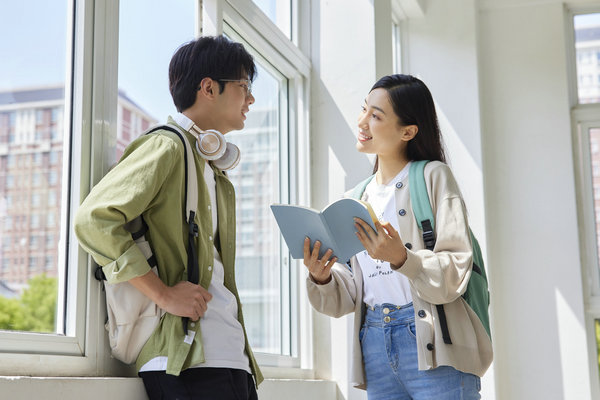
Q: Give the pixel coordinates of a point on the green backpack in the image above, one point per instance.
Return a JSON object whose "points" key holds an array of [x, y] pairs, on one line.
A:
{"points": [[477, 295]]}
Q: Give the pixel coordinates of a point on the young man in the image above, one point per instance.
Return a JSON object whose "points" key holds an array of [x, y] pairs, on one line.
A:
{"points": [[210, 82]]}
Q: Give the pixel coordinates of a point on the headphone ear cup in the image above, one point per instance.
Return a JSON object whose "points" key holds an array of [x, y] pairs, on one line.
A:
{"points": [[230, 159], [211, 144]]}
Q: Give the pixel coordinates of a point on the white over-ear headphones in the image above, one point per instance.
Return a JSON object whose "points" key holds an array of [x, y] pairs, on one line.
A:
{"points": [[211, 144]]}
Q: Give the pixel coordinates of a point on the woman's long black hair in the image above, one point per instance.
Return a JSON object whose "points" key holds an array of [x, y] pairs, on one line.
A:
{"points": [[413, 104]]}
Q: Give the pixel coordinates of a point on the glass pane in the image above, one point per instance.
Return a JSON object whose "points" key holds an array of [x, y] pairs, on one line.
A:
{"points": [[257, 183], [597, 326], [397, 48], [594, 135], [32, 103], [144, 56], [587, 45], [278, 11]]}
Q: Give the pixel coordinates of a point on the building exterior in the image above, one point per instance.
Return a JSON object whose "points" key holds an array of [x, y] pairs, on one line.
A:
{"points": [[587, 39], [31, 171]]}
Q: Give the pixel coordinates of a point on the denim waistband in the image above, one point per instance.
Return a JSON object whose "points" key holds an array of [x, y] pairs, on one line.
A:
{"points": [[387, 314]]}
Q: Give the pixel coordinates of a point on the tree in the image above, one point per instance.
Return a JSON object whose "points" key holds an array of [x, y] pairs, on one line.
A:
{"points": [[11, 314], [35, 310], [39, 304]]}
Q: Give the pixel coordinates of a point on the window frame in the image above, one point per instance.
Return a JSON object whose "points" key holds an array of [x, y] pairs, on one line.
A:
{"points": [[583, 118], [245, 22], [82, 349]]}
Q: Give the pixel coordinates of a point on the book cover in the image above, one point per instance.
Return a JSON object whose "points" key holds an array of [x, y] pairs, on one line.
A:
{"points": [[333, 227]]}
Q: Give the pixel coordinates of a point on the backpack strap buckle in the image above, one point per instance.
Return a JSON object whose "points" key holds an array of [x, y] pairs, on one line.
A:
{"points": [[428, 235]]}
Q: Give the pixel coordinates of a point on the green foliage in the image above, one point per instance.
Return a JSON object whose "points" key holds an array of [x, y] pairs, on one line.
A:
{"points": [[11, 314], [35, 310], [598, 339]]}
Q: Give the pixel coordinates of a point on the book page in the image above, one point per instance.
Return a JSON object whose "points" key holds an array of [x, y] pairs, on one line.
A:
{"points": [[339, 217], [295, 223]]}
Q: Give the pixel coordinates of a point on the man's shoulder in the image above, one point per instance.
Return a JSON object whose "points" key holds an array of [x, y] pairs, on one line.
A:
{"points": [[161, 139]]}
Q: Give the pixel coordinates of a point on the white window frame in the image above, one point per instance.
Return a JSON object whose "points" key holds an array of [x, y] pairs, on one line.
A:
{"points": [[90, 96], [399, 42], [90, 115], [583, 118], [243, 20]]}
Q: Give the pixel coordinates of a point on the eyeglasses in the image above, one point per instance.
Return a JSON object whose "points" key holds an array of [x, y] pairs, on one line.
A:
{"points": [[245, 83]]}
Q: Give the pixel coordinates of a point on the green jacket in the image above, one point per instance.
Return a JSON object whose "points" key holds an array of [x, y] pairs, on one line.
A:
{"points": [[149, 180]]}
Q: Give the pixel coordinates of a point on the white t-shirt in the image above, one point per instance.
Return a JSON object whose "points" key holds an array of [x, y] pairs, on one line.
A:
{"points": [[381, 283], [223, 338]]}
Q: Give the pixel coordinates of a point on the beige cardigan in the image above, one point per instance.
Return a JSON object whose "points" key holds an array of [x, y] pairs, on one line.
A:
{"points": [[438, 277]]}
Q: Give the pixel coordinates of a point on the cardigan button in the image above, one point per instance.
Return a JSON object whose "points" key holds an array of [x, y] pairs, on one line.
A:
{"points": [[408, 245], [421, 313], [429, 346], [399, 185], [402, 212]]}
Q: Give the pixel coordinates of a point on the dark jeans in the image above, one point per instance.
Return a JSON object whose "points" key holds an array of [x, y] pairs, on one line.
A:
{"points": [[200, 384]]}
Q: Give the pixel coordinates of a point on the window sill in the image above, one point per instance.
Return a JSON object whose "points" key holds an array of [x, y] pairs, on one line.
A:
{"points": [[26, 387]]}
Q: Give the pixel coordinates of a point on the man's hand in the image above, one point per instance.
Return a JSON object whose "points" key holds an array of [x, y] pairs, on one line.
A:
{"points": [[185, 299]]}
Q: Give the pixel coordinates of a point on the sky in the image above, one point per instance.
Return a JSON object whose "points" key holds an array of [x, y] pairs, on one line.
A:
{"points": [[149, 33]]}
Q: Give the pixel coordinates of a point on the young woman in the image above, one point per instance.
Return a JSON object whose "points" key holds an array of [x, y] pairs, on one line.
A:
{"points": [[394, 285]]}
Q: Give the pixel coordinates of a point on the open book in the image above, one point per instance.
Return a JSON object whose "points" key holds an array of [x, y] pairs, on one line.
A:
{"points": [[333, 227]]}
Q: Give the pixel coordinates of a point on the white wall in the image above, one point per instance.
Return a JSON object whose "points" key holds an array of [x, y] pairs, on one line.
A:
{"points": [[497, 70], [442, 50], [533, 250], [343, 56]]}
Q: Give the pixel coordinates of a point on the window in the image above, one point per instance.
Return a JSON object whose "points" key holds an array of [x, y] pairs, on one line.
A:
{"points": [[34, 220], [50, 220], [52, 178], [279, 12], [51, 198], [36, 179], [586, 122], [267, 280], [397, 46], [100, 105], [54, 158], [587, 47], [37, 159], [33, 95], [589, 186], [35, 200], [258, 262], [141, 104]]}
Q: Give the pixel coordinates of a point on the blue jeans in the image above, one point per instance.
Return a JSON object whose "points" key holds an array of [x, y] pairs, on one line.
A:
{"points": [[389, 346]]}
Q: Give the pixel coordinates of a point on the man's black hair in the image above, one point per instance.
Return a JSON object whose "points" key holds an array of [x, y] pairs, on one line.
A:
{"points": [[214, 57]]}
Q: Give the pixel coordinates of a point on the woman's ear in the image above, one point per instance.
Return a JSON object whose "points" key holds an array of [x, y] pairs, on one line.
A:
{"points": [[409, 132]]}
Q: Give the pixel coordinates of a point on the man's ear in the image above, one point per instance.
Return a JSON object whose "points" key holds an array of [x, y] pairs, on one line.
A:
{"points": [[409, 132], [208, 87]]}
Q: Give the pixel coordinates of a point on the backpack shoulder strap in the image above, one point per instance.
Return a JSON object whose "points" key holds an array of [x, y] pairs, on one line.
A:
{"points": [[418, 193], [425, 219], [419, 199], [191, 179], [359, 189], [191, 204]]}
